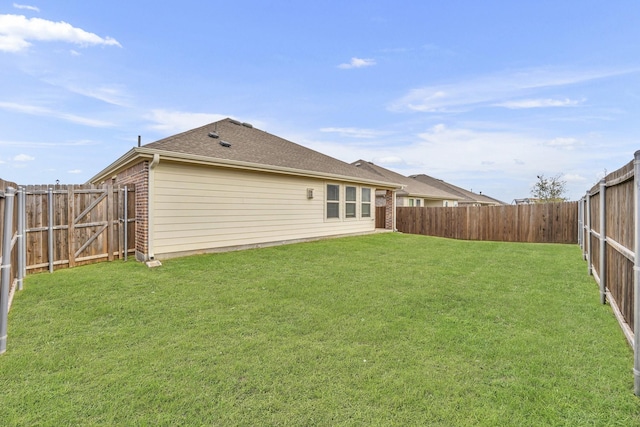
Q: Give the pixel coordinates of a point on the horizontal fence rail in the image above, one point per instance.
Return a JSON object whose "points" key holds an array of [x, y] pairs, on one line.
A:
{"points": [[73, 225], [536, 223]]}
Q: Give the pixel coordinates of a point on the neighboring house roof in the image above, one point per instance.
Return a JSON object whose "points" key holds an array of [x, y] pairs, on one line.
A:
{"points": [[230, 143], [411, 187], [465, 196]]}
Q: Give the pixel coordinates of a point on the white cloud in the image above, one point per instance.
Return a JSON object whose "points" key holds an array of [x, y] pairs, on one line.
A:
{"points": [[111, 94], [355, 132], [540, 103], [23, 158], [16, 30], [357, 63], [491, 90], [46, 112], [180, 121], [75, 171], [566, 143], [573, 178], [389, 161], [26, 7], [31, 144]]}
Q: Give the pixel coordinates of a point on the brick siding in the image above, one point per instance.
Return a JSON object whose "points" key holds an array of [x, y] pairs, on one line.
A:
{"points": [[138, 176]]}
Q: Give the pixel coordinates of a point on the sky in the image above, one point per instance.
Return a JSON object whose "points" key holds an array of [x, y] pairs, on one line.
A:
{"points": [[485, 95]]}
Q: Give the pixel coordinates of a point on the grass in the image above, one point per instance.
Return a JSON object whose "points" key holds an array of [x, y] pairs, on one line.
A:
{"points": [[386, 329]]}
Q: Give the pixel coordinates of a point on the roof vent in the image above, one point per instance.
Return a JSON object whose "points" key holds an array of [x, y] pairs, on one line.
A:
{"points": [[248, 125], [214, 135], [225, 143], [235, 122], [358, 164]]}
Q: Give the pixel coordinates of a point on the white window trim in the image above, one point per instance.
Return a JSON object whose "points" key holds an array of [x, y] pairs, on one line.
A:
{"points": [[342, 203], [327, 201], [355, 202], [362, 202]]}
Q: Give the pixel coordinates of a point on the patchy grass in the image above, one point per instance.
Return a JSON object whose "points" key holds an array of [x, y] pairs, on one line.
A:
{"points": [[386, 329]]}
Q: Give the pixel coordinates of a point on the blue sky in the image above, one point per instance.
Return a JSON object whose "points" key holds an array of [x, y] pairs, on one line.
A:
{"points": [[486, 95]]}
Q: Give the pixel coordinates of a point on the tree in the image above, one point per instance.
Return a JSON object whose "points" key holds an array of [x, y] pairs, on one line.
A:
{"points": [[548, 190]]}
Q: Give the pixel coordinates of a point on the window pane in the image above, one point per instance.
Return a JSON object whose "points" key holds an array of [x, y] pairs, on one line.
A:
{"points": [[350, 210], [350, 195], [366, 195], [418, 202], [333, 192], [333, 210], [366, 210]]}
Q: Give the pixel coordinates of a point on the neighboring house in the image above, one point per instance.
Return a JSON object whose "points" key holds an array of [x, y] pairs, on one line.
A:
{"points": [[465, 197], [228, 185], [413, 192]]}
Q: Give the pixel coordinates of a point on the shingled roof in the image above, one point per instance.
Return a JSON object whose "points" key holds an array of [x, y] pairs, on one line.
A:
{"points": [[234, 143], [464, 196], [411, 187]]}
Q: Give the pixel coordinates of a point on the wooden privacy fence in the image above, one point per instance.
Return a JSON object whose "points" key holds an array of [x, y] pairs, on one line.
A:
{"points": [[71, 225], [537, 223], [609, 217], [48, 227]]}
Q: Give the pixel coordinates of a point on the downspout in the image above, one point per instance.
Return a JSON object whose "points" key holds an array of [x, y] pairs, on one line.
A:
{"points": [[394, 228], [150, 213]]}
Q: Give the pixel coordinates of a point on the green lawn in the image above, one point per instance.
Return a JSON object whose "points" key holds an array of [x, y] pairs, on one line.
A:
{"points": [[386, 329]]}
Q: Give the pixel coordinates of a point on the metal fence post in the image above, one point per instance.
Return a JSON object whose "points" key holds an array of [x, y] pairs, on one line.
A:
{"points": [[50, 228], [126, 223], [21, 236], [603, 243], [589, 229], [580, 222], [5, 266], [636, 275]]}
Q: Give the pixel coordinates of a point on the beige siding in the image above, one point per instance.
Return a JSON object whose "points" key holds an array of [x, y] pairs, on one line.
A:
{"points": [[201, 208]]}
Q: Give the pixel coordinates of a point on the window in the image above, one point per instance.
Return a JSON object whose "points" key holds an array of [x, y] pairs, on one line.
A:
{"points": [[411, 202], [366, 203], [350, 202], [418, 202], [333, 201]]}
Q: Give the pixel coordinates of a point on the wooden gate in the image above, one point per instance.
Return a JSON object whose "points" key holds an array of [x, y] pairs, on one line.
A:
{"points": [[72, 225]]}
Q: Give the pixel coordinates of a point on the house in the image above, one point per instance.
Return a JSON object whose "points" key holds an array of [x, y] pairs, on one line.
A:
{"points": [[465, 197], [228, 185], [413, 192]]}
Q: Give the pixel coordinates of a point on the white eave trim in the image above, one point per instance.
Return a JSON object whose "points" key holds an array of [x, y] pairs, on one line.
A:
{"points": [[149, 153]]}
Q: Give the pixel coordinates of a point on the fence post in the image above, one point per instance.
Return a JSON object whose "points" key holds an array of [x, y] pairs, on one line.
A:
{"points": [[21, 236], [50, 227], [636, 275], [589, 228], [126, 223], [580, 220], [603, 243], [5, 266]]}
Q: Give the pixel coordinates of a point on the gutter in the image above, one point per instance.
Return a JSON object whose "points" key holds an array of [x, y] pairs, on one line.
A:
{"points": [[148, 153]]}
